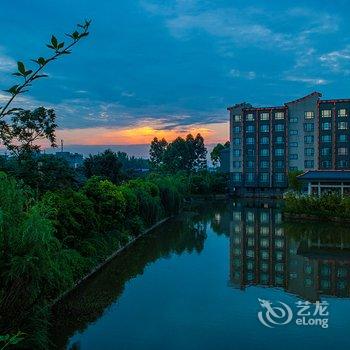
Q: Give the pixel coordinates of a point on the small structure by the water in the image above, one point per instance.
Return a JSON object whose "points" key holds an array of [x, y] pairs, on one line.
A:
{"points": [[318, 182]]}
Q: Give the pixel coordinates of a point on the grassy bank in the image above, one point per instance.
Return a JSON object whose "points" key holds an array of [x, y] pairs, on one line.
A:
{"points": [[327, 207], [51, 241]]}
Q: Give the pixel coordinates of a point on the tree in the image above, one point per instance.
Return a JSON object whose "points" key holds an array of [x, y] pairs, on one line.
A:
{"points": [[200, 152], [187, 154], [215, 153], [41, 172], [157, 150], [178, 156], [106, 165], [27, 127], [293, 182], [23, 126]]}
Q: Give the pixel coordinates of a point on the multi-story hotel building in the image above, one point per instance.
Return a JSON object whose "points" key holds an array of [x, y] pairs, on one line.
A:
{"points": [[305, 134]]}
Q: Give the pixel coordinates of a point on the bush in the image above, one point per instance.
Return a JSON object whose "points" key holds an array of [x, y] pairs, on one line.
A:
{"points": [[327, 205]]}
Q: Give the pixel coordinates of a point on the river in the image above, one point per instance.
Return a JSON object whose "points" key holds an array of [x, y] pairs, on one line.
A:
{"points": [[223, 275]]}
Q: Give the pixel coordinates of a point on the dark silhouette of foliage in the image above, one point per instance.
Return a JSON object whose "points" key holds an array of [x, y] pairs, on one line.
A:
{"points": [[106, 165], [23, 126]]}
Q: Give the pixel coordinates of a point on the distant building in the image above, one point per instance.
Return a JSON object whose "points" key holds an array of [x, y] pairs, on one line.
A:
{"points": [[268, 142], [74, 159], [322, 181]]}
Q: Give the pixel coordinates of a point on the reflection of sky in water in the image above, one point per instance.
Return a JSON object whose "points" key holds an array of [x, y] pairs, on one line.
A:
{"points": [[209, 299]]}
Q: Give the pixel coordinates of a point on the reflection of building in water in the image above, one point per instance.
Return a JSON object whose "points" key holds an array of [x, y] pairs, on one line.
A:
{"points": [[261, 253]]}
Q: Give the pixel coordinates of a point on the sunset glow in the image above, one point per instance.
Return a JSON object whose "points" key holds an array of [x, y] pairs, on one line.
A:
{"points": [[212, 133]]}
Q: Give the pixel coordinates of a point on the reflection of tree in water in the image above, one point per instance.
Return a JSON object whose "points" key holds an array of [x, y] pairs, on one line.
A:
{"points": [[88, 302], [330, 236], [217, 213]]}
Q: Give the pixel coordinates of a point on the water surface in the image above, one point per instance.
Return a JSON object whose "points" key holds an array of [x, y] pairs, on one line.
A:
{"points": [[195, 283]]}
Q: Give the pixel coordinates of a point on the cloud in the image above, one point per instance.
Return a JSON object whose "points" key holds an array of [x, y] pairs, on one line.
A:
{"points": [[337, 61], [7, 64], [235, 73], [128, 94], [307, 80]]}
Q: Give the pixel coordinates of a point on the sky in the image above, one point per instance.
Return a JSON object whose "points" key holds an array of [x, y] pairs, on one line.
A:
{"points": [[165, 68]]}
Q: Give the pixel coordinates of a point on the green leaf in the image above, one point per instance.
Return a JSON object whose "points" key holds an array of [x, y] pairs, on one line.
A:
{"points": [[84, 34], [28, 72], [21, 67], [13, 89], [54, 41], [17, 74], [50, 46], [40, 76], [60, 45], [75, 35]]}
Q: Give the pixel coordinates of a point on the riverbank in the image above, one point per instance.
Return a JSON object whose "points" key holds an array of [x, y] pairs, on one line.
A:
{"points": [[106, 261], [328, 207]]}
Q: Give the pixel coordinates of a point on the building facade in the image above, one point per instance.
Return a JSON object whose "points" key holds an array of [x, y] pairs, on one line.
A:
{"points": [[267, 142]]}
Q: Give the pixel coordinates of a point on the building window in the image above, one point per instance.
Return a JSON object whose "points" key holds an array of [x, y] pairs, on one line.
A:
{"points": [[279, 152], [342, 112], [293, 168], [279, 127], [264, 140], [250, 140], [264, 165], [236, 141], [326, 151], [342, 151], [250, 128], [309, 139], [309, 164], [250, 164], [264, 177], [293, 156], [250, 152], [293, 144], [309, 114], [279, 139], [342, 125], [264, 128], [237, 118], [237, 164], [237, 128], [326, 113], [343, 164], [342, 138], [249, 117], [279, 164], [293, 120], [326, 126], [293, 132], [326, 138], [236, 152], [237, 176], [264, 152], [309, 127], [279, 177], [279, 115], [326, 164], [250, 177], [264, 116], [309, 151]]}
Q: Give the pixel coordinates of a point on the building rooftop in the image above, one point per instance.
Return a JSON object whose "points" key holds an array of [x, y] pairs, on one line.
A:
{"points": [[326, 175]]}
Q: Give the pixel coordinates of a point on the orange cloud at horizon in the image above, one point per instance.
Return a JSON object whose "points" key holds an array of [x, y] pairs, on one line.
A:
{"points": [[212, 133]]}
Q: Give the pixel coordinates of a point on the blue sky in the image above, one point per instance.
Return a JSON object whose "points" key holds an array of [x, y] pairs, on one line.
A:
{"points": [[176, 65]]}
